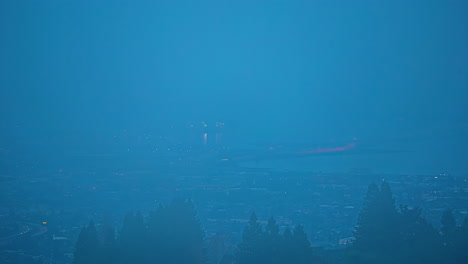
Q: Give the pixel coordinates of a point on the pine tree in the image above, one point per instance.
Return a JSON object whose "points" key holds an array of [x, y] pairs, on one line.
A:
{"points": [[461, 242], [82, 254], [301, 246], [448, 231], [272, 230], [108, 245], [287, 247], [132, 239], [87, 246], [218, 247], [420, 242], [175, 234], [388, 221], [158, 235], [367, 225], [250, 250], [272, 241], [448, 224], [376, 233], [187, 234]]}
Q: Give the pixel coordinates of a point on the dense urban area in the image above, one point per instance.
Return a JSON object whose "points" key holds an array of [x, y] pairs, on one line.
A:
{"points": [[233, 132], [45, 206]]}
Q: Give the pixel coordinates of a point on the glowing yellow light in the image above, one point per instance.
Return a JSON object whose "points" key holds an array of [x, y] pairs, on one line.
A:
{"points": [[44, 223]]}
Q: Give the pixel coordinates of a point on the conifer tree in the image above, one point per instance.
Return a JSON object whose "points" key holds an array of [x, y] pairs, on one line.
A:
{"points": [[301, 246], [461, 242], [272, 230], [367, 225], [448, 224], [386, 235], [250, 250], [158, 235], [108, 246], [272, 241], [87, 246], [218, 248], [132, 239], [287, 246], [377, 233], [448, 232], [81, 255], [419, 241], [186, 233], [175, 234], [388, 221]]}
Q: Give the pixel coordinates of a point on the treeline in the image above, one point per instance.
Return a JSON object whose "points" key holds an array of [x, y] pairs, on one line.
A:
{"points": [[383, 234], [172, 234], [270, 246]]}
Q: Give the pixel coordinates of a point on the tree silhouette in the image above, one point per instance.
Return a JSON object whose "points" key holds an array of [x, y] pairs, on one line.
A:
{"points": [[87, 246], [301, 253], [109, 245], [132, 239], [386, 235], [272, 241], [368, 220], [376, 233], [270, 246], [186, 233], [449, 225], [461, 242], [287, 246], [448, 231], [175, 234], [419, 241], [250, 250], [158, 234]]}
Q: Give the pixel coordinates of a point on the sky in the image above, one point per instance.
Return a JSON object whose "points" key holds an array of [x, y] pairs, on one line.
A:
{"points": [[268, 69]]}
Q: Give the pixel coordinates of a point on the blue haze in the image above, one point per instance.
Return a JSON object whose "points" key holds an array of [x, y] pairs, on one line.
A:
{"points": [[393, 74]]}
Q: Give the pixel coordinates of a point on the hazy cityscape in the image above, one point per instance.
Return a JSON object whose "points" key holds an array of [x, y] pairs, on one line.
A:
{"points": [[233, 132], [140, 172]]}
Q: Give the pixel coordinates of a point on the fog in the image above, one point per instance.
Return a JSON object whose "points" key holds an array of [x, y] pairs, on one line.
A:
{"points": [[227, 91]]}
